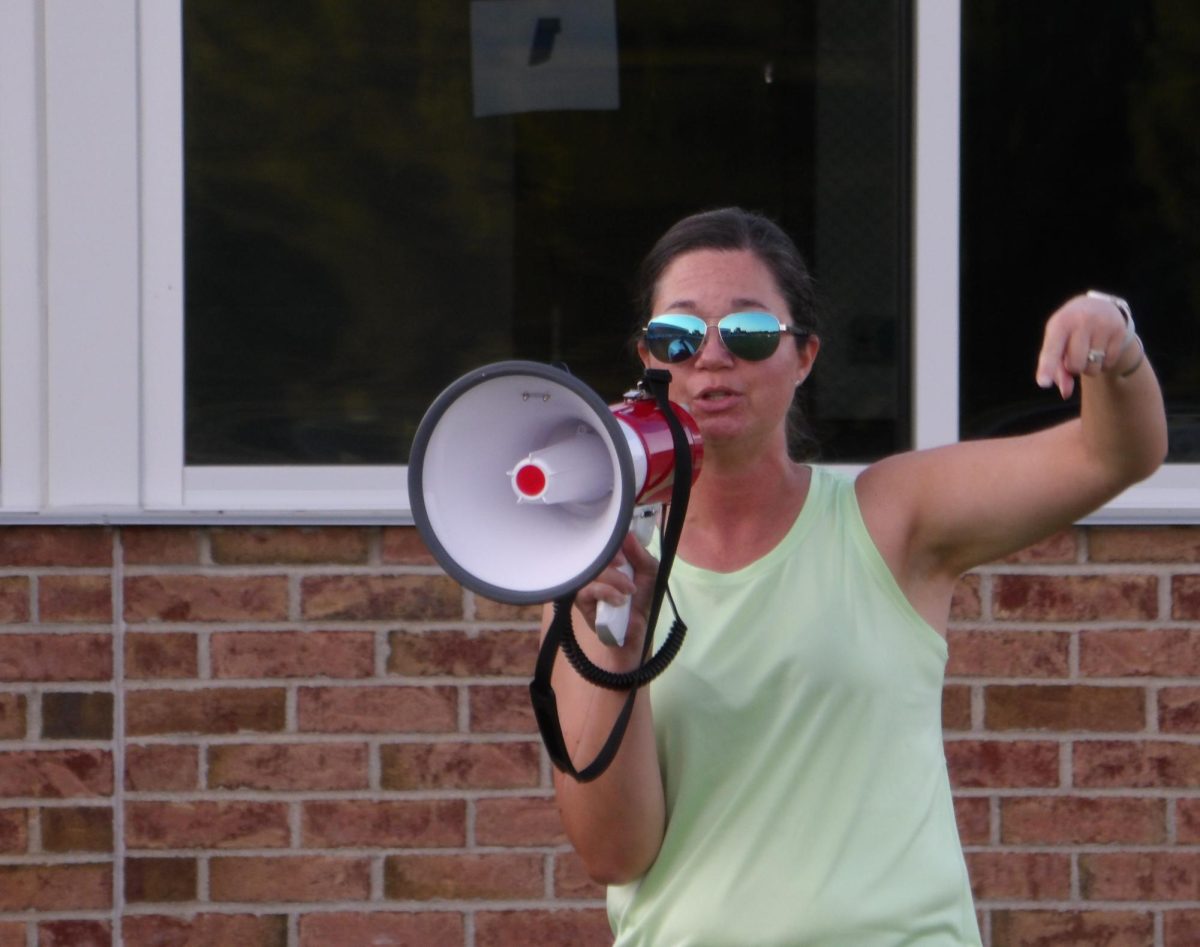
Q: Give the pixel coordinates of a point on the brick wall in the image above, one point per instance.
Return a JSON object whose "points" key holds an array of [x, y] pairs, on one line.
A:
{"points": [[298, 737]]}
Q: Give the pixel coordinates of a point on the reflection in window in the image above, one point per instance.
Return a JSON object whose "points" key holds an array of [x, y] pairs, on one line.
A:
{"points": [[1081, 169], [381, 196]]}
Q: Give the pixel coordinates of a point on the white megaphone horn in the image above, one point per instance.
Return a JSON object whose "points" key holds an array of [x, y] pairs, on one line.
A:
{"points": [[523, 482]]}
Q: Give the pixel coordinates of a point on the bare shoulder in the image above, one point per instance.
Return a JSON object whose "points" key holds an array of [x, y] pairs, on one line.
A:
{"points": [[887, 494]]}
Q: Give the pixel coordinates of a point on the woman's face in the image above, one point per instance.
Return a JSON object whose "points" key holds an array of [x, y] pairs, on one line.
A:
{"points": [[736, 403]]}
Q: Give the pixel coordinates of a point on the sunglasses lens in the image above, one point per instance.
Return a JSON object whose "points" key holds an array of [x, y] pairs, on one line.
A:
{"points": [[752, 336], [675, 338]]}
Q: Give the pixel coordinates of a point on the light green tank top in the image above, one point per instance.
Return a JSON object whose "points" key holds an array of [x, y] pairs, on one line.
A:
{"points": [[799, 733]]}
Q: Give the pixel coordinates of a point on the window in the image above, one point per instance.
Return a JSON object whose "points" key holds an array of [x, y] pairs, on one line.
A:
{"points": [[1079, 169], [380, 197]]}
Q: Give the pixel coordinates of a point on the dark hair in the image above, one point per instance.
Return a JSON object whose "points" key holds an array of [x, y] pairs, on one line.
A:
{"points": [[732, 228]]}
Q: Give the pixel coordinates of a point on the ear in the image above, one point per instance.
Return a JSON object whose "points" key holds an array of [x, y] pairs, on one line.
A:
{"points": [[808, 355], [643, 353]]}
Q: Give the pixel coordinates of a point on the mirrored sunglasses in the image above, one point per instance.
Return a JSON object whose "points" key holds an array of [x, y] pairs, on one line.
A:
{"points": [[752, 336]]}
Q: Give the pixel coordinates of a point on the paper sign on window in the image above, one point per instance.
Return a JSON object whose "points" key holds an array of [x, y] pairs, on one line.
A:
{"points": [[543, 55]]}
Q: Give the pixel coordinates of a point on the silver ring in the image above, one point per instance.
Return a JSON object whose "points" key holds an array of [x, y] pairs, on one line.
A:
{"points": [[1095, 356]]}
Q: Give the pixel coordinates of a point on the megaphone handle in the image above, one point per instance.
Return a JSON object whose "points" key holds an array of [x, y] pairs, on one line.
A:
{"points": [[612, 621]]}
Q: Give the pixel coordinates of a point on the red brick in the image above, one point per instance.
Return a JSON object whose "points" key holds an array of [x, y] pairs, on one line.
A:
{"points": [[374, 823], [300, 767], [206, 598], [13, 724], [571, 881], [1111, 764], [1134, 652], [1181, 928], [56, 774], [161, 767], [460, 765], [1144, 544], [82, 829], [1185, 597], [74, 934], [966, 603], [499, 877], [566, 928], [487, 610], [956, 707], [974, 817], [1080, 820], [518, 821], [205, 824], [77, 716], [978, 764], [501, 709], [1179, 710], [205, 930], [79, 887], [1072, 928], [380, 598], [14, 831], [160, 880], [1187, 821], [1140, 876], [300, 878], [458, 654], [210, 710], [160, 545], [75, 598], [1075, 597], [259, 654], [1019, 876], [1040, 654], [1062, 547], [12, 934], [290, 545], [49, 546], [160, 655], [83, 657], [15, 607], [388, 709], [418, 929], [1064, 707], [402, 545]]}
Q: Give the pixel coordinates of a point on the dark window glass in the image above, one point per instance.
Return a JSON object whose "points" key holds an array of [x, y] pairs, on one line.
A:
{"points": [[381, 196], [1081, 169]]}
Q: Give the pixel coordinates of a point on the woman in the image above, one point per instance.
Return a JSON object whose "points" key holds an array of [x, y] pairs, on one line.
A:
{"points": [[783, 782]]}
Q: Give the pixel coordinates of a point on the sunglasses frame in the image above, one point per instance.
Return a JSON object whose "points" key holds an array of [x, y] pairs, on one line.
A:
{"points": [[721, 334]]}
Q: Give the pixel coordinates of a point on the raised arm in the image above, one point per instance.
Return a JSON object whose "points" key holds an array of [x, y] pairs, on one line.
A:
{"points": [[616, 822], [938, 513]]}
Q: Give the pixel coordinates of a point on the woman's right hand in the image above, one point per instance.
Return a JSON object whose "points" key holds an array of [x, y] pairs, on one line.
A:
{"points": [[615, 587]]}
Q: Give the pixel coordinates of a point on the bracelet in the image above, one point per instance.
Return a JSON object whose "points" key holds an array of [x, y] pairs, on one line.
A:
{"points": [[1138, 364], [1126, 314]]}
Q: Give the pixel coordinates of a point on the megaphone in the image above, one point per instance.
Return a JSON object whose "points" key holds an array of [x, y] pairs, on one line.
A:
{"points": [[523, 482]]}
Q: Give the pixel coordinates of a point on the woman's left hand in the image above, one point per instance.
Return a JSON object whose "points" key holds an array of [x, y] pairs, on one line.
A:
{"points": [[1086, 336]]}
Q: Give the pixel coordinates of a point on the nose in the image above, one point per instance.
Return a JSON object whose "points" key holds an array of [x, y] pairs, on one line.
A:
{"points": [[712, 349]]}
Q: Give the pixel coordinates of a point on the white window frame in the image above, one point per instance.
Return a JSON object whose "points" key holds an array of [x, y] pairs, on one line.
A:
{"points": [[91, 279]]}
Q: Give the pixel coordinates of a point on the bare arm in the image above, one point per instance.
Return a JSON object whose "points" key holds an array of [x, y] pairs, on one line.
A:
{"points": [[936, 514], [616, 822]]}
